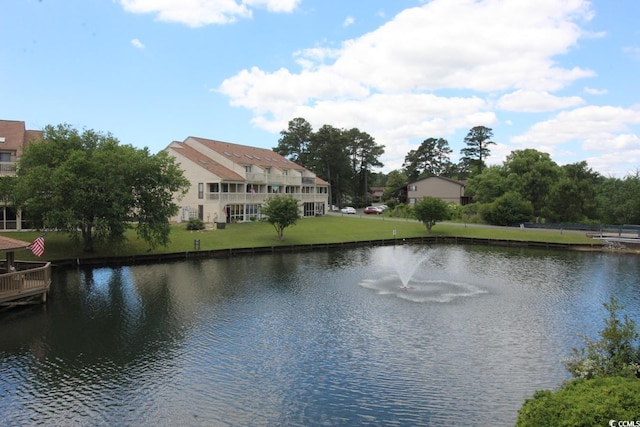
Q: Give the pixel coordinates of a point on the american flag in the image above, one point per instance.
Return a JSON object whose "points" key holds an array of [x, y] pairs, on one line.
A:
{"points": [[37, 247]]}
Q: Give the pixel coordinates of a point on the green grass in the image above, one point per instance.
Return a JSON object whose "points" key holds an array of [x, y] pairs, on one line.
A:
{"points": [[325, 229]]}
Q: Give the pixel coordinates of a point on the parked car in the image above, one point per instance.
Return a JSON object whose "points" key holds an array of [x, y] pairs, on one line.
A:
{"points": [[334, 208], [373, 210], [348, 210]]}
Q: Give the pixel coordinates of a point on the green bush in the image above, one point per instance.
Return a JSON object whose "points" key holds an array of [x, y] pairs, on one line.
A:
{"points": [[605, 385], [508, 209], [583, 403], [195, 224]]}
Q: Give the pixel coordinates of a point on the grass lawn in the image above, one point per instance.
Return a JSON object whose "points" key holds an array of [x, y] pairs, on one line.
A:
{"points": [[325, 229]]}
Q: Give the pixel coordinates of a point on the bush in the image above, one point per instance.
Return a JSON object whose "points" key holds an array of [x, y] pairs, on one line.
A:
{"points": [[583, 403], [605, 385], [508, 209], [195, 224]]}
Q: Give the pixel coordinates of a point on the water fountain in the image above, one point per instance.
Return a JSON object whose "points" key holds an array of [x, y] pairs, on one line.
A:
{"points": [[419, 280]]}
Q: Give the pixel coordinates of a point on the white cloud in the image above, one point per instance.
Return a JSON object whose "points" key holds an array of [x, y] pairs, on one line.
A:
{"points": [[633, 52], [197, 13], [137, 44], [596, 126], [348, 21], [534, 102], [439, 69], [594, 91]]}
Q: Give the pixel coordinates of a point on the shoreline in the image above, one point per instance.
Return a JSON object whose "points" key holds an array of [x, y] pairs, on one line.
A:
{"points": [[114, 261]]}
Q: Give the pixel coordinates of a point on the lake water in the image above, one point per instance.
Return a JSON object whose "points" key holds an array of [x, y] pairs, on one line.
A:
{"points": [[330, 338]]}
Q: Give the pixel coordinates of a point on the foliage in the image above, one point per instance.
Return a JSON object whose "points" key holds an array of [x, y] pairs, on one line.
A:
{"points": [[508, 209], [430, 210], [605, 384], [572, 196], [89, 184], [430, 159], [344, 158], [454, 211], [477, 147], [195, 224], [583, 403], [488, 185], [399, 210], [281, 212], [396, 181], [294, 141], [619, 200], [617, 353]]}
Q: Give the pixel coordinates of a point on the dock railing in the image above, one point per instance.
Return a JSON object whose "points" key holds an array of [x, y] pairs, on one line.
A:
{"points": [[29, 279]]}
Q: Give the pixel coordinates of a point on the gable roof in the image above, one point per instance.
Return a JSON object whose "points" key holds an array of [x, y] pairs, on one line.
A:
{"points": [[205, 162], [244, 154]]}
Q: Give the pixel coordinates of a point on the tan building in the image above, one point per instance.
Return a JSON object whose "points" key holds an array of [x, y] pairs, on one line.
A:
{"points": [[443, 188], [14, 137], [230, 182]]}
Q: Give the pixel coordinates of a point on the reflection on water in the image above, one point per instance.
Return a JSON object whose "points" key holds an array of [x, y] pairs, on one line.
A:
{"points": [[323, 338]]}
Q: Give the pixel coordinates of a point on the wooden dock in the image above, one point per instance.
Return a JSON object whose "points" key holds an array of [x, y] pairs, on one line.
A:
{"points": [[29, 283]]}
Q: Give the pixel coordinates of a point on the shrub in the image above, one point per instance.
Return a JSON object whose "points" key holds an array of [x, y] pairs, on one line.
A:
{"points": [[195, 224], [583, 403], [508, 209]]}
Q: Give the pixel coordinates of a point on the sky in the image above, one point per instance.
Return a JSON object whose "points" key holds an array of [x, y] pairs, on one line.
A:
{"points": [[559, 76]]}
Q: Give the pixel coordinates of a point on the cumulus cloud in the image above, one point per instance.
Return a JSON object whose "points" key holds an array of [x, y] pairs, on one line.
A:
{"points": [[137, 44], [396, 82], [597, 126], [197, 13], [348, 21], [535, 102]]}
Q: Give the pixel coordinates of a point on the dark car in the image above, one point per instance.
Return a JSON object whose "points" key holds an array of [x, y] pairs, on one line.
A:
{"points": [[373, 210]]}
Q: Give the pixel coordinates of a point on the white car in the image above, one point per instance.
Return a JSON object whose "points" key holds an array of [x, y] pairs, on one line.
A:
{"points": [[348, 210]]}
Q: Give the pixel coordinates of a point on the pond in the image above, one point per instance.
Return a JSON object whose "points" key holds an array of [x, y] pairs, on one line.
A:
{"points": [[404, 335]]}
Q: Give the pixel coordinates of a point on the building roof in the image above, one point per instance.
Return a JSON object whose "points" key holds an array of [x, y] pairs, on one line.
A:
{"points": [[205, 162], [244, 154], [16, 136], [7, 244]]}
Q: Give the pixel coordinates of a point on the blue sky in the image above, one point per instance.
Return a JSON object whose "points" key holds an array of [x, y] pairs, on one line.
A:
{"points": [[560, 76]]}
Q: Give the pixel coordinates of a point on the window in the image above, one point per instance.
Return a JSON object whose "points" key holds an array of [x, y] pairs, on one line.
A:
{"points": [[412, 187], [247, 169], [200, 190]]}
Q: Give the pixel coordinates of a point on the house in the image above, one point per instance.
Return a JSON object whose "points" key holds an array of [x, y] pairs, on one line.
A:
{"points": [[14, 137], [230, 182], [376, 194], [440, 187]]}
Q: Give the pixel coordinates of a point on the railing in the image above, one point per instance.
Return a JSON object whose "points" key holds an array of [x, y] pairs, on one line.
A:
{"points": [[29, 279], [7, 168]]}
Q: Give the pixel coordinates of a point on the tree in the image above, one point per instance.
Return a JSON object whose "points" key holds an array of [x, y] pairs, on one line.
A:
{"points": [[508, 209], [477, 140], [531, 173], [394, 187], [328, 157], [572, 196], [281, 212], [619, 200], [487, 186], [294, 141], [86, 183], [364, 155], [430, 159], [430, 210]]}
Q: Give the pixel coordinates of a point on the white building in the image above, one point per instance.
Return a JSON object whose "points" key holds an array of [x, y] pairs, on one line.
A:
{"points": [[230, 182]]}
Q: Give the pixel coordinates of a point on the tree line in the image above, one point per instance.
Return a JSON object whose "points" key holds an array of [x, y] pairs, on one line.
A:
{"points": [[527, 186]]}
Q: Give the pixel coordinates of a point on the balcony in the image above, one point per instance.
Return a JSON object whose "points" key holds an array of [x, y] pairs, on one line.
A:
{"points": [[7, 168]]}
